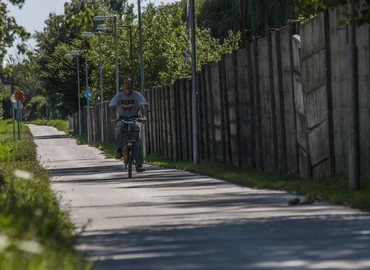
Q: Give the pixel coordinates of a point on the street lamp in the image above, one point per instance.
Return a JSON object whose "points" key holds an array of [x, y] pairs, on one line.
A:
{"points": [[86, 95], [100, 27], [88, 102], [76, 54], [194, 85], [102, 18], [142, 72]]}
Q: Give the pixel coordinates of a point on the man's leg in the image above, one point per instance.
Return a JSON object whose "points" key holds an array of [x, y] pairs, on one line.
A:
{"points": [[118, 140], [138, 154]]}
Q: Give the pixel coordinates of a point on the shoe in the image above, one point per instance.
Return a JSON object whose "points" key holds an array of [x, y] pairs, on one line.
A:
{"points": [[119, 154], [140, 168]]}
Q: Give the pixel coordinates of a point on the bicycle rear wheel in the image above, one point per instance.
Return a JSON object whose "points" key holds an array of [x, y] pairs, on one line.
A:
{"points": [[129, 163]]}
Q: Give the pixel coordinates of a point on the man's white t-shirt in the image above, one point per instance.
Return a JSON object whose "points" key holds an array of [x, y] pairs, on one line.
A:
{"points": [[128, 106]]}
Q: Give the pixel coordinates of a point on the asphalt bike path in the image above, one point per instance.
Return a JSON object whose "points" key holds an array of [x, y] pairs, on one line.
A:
{"points": [[170, 219]]}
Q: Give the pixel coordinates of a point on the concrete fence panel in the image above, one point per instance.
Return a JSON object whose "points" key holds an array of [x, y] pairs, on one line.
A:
{"points": [[266, 105], [217, 112], [287, 106], [258, 106], [363, 43], [315, 91]]}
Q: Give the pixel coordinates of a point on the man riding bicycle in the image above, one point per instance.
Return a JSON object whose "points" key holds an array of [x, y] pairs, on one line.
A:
{"points": [[128, 103]]}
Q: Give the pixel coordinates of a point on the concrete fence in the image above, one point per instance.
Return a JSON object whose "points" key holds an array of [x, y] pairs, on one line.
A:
{"points": [[278, 104]]}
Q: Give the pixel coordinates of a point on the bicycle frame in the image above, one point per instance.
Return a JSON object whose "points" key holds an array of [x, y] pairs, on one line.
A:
{"points": [[129, 145]]}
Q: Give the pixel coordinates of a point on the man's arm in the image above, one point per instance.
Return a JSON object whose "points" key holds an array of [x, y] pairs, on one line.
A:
{"points": [[143, 113]]}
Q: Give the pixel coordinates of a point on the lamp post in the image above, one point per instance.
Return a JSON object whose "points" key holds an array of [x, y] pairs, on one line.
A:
{"points": [[102, 18], [87, 98], [101, 92], [90, 34], [141, 49], [76, 53], [142, 83], [194, 85], [88, 102]]}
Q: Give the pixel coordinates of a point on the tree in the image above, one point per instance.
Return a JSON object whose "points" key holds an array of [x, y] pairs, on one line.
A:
{"points": [[37, 107], [164, 43], [10, 30], [62, 34], [165, 40], [222, 16], [218, 16], [361, 15], [121, 7]]}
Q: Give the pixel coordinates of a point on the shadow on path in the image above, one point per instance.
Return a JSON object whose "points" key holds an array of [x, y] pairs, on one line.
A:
{"points": [[164, 247]]}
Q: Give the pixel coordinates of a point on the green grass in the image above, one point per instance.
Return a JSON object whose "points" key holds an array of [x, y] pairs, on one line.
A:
{"points": [[106, 147], [332, 189], [34, 232], [61, 125]]}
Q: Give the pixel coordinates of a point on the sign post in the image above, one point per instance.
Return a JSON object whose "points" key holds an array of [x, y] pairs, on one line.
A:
{"points": [[88, 96], [12, 99], [17, 99], [19, 131]]}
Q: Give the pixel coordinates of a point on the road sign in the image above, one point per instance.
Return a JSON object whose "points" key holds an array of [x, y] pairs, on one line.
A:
{"points": [[19, 95], [18, 112], [12, 98], [88, 94], [17, 105]]}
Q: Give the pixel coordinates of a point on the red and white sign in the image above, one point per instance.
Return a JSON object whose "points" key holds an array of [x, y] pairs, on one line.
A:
{"points": [[19, 95]]}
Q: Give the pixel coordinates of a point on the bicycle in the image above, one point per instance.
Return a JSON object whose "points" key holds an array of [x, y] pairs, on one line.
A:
{"points": [[130, 137]]}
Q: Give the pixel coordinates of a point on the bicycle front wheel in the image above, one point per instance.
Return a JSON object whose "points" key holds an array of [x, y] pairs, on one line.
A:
{"points": [[129, 163]]}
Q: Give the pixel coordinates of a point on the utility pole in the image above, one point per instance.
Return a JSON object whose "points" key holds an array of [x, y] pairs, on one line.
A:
{"points": [[101, 91], [77, 54], [194, 90], [141, 49], [131, 55], [142, 88], [353, 104]]}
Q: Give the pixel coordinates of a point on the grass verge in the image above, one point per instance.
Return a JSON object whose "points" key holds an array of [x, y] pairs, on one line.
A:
{"points": [[34, 232], [332, 189], [61, 125]]}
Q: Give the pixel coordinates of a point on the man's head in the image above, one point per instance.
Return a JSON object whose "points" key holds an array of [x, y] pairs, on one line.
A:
{"points": [[127, 86]]}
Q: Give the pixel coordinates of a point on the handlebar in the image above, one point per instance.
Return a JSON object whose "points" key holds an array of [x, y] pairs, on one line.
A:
{"points": [[129, 120]]}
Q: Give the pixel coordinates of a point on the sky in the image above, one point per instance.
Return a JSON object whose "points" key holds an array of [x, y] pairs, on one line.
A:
{"points": [[35, 12]]}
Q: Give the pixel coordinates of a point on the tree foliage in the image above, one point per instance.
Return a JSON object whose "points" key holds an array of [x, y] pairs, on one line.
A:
{"points": [[164, 41], [362, 8], [37, 107], [10, 30], [222, 16], [218, 16]]}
